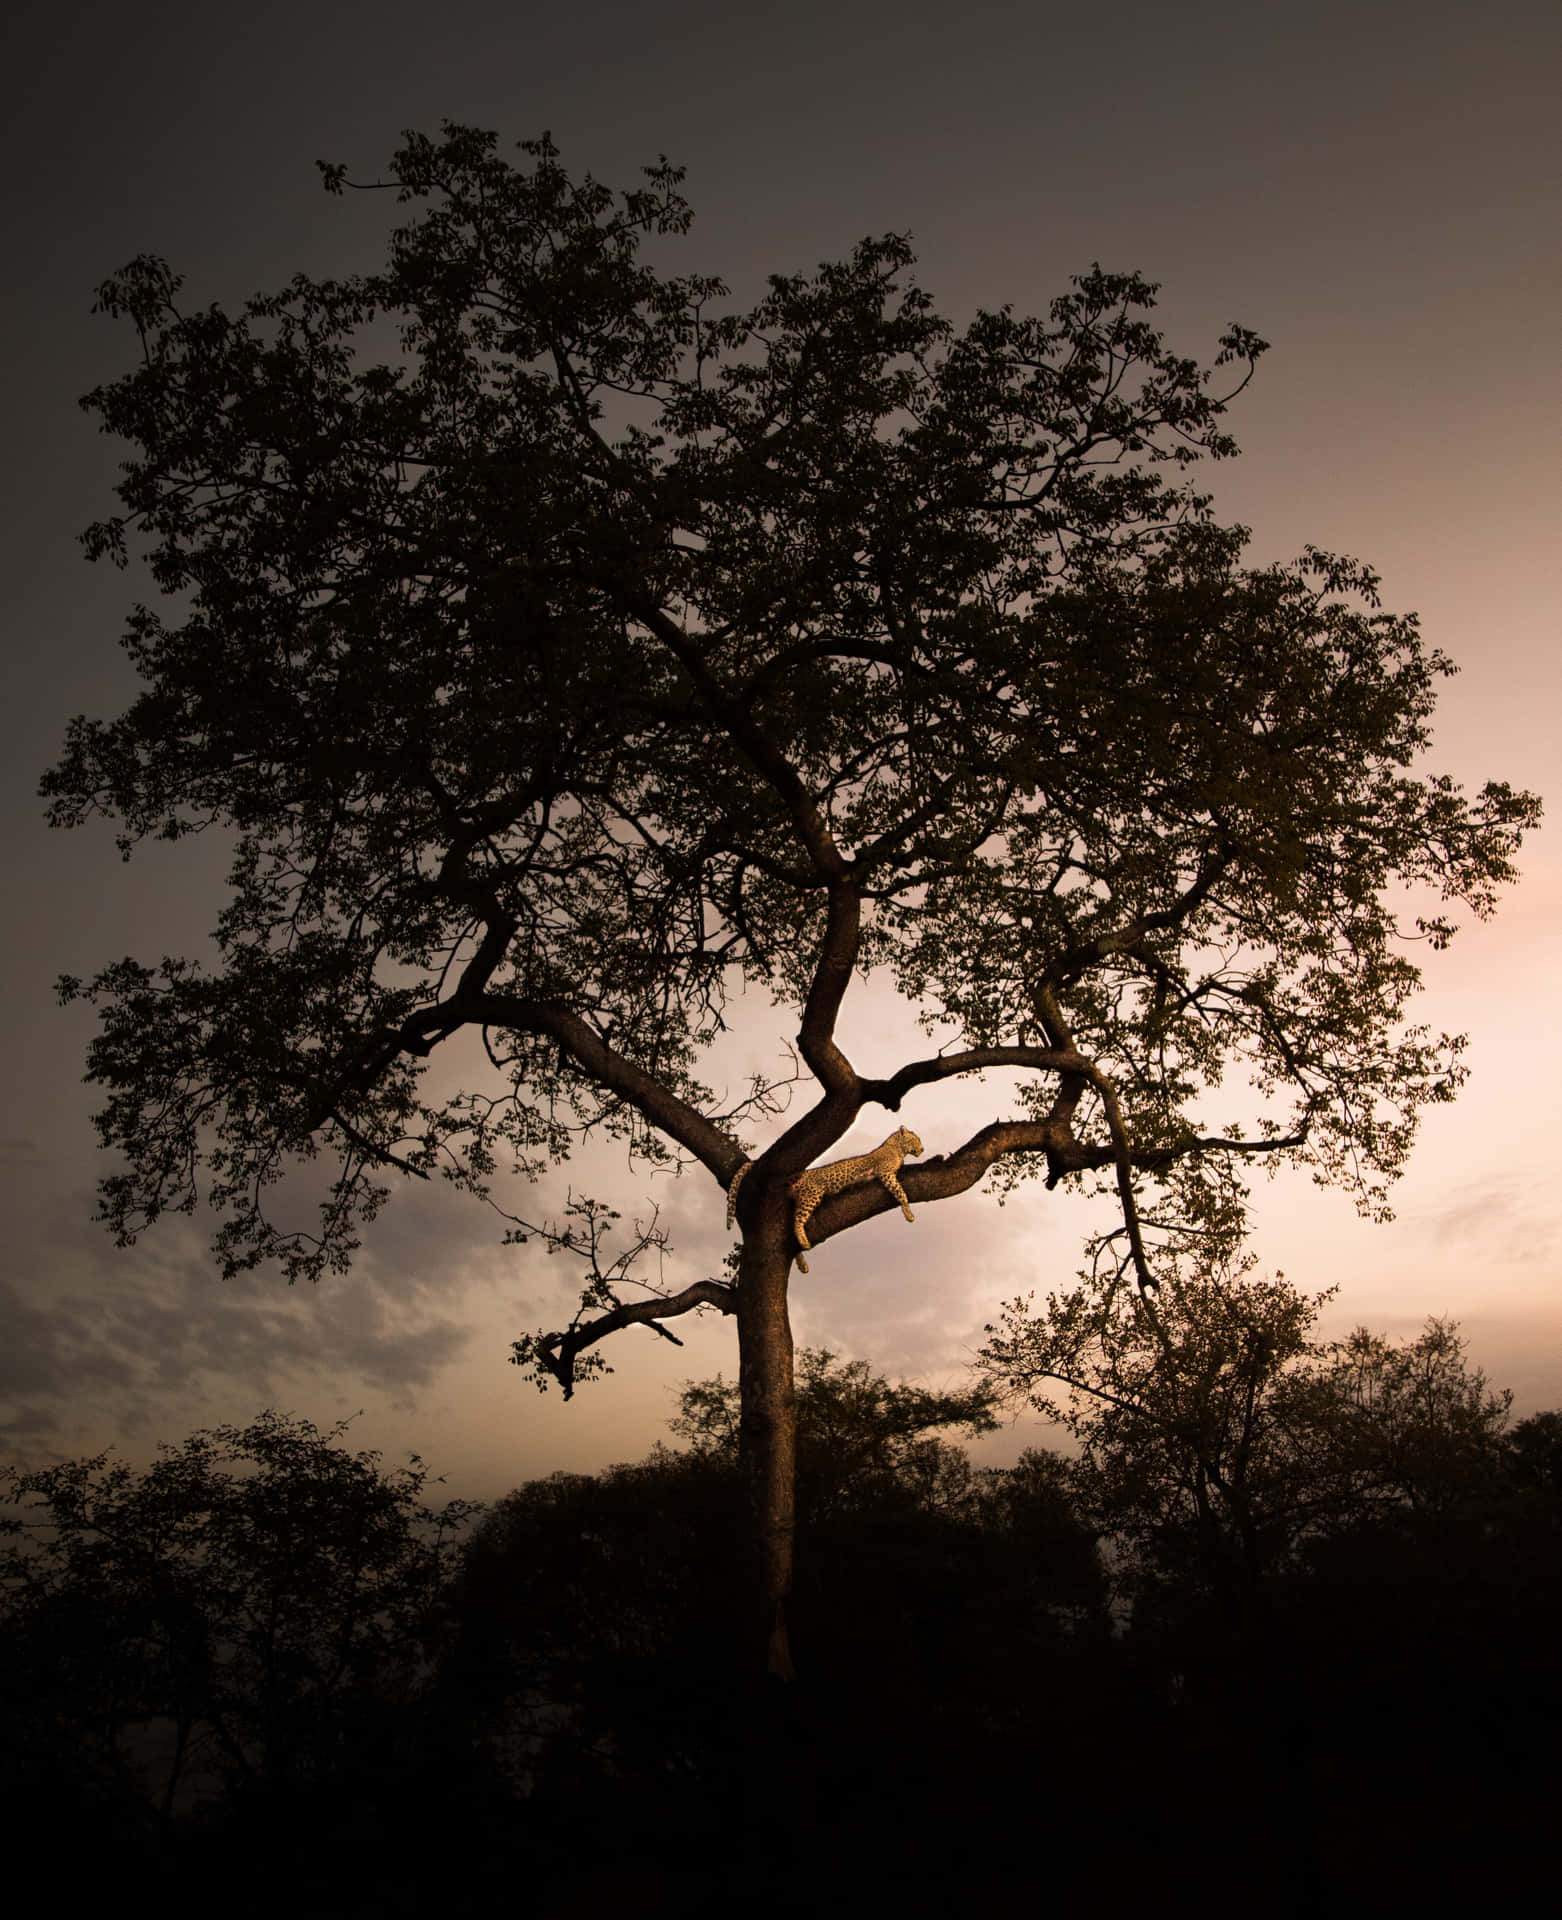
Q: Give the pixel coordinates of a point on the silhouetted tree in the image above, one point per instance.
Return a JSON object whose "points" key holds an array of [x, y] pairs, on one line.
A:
{"points": [[1410, 1420], [1218, 1435], [608, 646], [1342, 1602], [939, 1608], [861, 1439], [636, 1558], [1412, 1651], [1535, 1449], [246, 1616]]}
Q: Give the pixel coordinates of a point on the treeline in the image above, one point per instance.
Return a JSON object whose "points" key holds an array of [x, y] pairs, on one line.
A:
{"points": [[1283, 1624]]}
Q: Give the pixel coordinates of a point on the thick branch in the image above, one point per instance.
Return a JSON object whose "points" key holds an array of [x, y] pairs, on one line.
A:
{"points": [[832, 976], [1079, 959], [939, 1178], [918, 1073], [942, 1177], [1065, 1060], [662, 1107], [420, 1032]]}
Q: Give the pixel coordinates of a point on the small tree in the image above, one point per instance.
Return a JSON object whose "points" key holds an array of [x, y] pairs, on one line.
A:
{"points": [[614, 645], [1419, 1427], [1183, 1408], [1218, 1435], [1535, 1454], [859, 1435], [243, 1610]]}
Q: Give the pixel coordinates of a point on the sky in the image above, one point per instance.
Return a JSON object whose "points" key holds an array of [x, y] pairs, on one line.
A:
{"points": [[1373, 186]]}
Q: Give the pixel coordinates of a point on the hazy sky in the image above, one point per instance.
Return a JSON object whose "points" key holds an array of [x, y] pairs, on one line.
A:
{"points": [[1372, 186]]}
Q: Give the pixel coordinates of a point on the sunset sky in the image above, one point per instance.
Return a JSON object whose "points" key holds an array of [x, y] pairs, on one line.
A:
{"points": [[1373, 187]]}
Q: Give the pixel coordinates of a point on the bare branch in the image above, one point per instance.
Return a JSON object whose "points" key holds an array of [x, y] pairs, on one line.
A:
{"points": [[945, 1066], [558, 1353]]}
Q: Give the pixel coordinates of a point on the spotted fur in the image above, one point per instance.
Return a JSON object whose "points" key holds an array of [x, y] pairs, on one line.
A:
{"points": [[814, 1185]]}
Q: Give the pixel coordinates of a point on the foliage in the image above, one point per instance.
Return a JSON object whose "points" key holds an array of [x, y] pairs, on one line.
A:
{"points": [[1535, 1454], [1416, 1425], [597, 1612], [860, 1437], [243, 1613], [1219, 1435], [600, 1625], [612, 1559], [593, 1561]]}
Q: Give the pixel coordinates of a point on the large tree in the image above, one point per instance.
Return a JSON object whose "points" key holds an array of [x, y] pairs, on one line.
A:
{"points": [[605, 646]]}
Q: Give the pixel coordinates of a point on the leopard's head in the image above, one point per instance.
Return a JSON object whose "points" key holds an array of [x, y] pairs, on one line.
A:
{"points": [[908, 1140]]}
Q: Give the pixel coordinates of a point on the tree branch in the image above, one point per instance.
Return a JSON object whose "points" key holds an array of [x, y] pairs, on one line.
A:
{"points": [[918, 1073], [816, 1038], [557, 1353], [842, 938], [710, 1146], [942, 1177], [740, 725], [1079, 959]]}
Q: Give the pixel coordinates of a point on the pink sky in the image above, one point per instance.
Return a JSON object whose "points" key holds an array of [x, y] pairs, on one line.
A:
{"points": [[1373, 187]]}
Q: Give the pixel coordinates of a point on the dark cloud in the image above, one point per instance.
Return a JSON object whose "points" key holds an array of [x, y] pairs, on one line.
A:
{"points": [[141, 1332]]}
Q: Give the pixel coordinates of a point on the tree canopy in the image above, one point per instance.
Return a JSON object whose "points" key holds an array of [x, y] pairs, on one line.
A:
{"points": [[605, 645]]}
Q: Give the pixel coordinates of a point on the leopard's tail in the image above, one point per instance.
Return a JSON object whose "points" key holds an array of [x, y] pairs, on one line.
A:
{"points": [[732, 1192], [732, 1205]]}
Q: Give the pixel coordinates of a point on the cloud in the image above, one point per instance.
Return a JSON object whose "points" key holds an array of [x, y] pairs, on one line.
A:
{"points": [[141, 1334], [1506, 1219]]}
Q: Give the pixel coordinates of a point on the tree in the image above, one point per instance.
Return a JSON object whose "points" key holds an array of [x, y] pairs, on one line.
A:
{"points": [[1218, 1436], [878, 1486], [1184, 1407], [1535, 1453], [626, 1560], [937, 1607], [244, 1611], [612, 646], [1419, 1428], [859, 1435]]}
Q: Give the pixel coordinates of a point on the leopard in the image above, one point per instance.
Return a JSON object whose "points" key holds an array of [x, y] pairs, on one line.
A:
{"points": [[812, 1186]]}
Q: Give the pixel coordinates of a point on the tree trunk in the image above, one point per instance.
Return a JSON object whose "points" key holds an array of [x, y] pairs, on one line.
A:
{"points": [[767, 1442]]}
